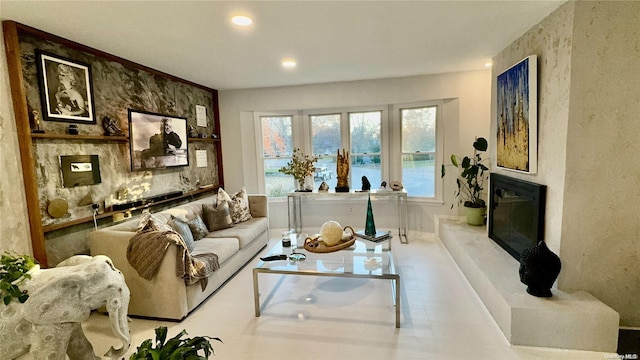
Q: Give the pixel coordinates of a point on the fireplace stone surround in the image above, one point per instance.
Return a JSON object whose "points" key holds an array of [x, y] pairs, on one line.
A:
{"points": [[575, 320]]}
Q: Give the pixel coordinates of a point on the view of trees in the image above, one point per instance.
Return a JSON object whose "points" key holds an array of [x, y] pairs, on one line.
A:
{"points": [[417, 159]]}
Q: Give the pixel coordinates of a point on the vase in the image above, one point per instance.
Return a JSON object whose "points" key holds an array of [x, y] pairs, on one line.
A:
{"points": [[475, 216]]}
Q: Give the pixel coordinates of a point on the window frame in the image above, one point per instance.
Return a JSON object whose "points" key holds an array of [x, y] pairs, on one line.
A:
{"points": [[397, 150], [390, 138]]}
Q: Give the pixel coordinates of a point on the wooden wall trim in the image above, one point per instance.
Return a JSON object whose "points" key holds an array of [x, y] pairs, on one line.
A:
{"points": [[23, 127]]}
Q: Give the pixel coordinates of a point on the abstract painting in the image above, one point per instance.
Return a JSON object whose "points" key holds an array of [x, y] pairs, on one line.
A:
{"points": [[517, 117]]}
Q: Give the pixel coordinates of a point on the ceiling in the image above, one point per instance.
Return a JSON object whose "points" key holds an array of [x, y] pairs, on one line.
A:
{"points": [[330, 40]]}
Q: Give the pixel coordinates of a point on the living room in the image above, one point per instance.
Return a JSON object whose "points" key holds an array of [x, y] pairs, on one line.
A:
{"points": [[581, 53]]}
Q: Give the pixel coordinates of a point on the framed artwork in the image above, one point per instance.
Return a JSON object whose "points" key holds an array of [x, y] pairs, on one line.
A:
{"points": [[78, 170], [517, 117], [157, 141], [65, 89]]}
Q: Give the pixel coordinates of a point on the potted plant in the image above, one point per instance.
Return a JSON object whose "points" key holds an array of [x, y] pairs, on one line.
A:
{"points": [[174, 348], [471, 178], [14, 270], [300, 167]]}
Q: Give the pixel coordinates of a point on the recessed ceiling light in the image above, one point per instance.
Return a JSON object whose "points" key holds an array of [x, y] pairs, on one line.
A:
{"points": [[241, 20], [488, 64], [288, 64]]}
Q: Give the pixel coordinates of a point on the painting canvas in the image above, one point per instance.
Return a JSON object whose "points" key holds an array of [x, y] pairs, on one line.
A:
{"points": [[517, 127], [157, 141], [65, 89]]}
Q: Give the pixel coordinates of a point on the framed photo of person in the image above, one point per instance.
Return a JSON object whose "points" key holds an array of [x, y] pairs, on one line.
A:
{"points": [[65, 89], [157, 141]]}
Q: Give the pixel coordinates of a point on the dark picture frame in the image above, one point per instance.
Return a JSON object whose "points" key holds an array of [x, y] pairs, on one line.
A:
{"points": [[66, 89], [79, 170], [517, 117], [157, 141]]}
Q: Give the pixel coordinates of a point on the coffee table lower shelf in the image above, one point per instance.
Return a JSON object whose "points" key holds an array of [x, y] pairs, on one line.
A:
{"points": [[395, 284]]}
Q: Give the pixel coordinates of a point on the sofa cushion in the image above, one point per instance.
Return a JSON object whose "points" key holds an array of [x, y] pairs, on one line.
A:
{"points": [[245, 232], [223, 247], [198, 228], [217, 217], [151, 222], [238, 204], [183, 229]]}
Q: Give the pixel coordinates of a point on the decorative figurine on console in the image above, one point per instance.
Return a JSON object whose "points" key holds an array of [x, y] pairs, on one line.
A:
{"points": [[342, 169], [366, 185], [539, 269], [192, 132], [324, 187], [35, 122], [110, 127]]}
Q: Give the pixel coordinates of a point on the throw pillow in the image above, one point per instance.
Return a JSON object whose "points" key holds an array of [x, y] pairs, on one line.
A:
{"points": [[198, 228], [183, 229], [217, 217], [238, 204], [150, 222]]}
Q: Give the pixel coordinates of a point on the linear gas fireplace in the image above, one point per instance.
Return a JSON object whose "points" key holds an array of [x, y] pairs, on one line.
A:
{"points": [[516, 213]]}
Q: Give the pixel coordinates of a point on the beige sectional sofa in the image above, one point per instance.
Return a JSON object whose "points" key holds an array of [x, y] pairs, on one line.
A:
{"points": [[166, 296]]}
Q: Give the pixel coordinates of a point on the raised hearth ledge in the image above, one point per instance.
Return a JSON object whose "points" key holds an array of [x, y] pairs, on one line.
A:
{"points": [[567, 321]]}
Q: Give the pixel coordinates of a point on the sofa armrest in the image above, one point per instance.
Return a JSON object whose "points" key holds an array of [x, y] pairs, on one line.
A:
{"points": [[164, 296], [258, 205]]}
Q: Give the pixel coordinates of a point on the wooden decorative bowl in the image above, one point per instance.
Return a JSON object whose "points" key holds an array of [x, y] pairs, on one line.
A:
{"points": [[316, 245]]}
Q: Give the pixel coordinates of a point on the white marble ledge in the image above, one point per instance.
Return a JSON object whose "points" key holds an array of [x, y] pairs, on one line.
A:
{"points": [[568, 321]]}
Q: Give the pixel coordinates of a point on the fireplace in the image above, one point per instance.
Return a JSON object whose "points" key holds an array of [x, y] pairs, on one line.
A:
{"points": [[516, 213]]}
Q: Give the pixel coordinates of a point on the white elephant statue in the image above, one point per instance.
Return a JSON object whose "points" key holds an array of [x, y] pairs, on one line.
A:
{"points": [[48, 324]]}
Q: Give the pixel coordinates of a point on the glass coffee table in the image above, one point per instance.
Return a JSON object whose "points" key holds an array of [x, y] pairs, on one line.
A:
{"points": [[364, 259]]}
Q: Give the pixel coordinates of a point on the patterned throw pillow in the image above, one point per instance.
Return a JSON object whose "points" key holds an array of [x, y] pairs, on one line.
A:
{"points": [[217, 217], [238, 204], [183, 229], [198, 228], [150, 222]]}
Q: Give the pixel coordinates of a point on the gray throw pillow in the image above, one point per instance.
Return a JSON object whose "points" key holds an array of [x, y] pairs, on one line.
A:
{"points": [[183, 229], [217, 217], [198, 228]]}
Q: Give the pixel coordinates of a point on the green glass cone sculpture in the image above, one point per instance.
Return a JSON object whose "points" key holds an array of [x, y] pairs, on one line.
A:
{"points": [[370, 226]]}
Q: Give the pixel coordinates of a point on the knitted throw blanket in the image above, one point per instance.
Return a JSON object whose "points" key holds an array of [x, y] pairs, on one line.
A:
{"points": [[147, 248]]}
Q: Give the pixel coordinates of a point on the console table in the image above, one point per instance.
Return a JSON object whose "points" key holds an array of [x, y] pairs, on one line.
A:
{"points": [[296, 200]]}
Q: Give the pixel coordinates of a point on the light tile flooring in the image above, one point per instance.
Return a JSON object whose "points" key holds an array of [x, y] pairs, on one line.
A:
{"points": [[307, 317]]}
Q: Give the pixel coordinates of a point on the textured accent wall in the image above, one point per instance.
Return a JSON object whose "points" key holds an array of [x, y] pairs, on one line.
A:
{"points": [[601, 220], [589, 101], [551, 42], [116, 88]]}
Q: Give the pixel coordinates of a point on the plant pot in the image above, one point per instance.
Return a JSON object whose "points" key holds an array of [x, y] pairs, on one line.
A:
{"points": [[475, 216]]}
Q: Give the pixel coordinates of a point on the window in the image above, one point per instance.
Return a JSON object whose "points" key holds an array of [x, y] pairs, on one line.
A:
{"points": [[277, 149], [366, 146], [394, 142], [326, 139], [418, 150]]}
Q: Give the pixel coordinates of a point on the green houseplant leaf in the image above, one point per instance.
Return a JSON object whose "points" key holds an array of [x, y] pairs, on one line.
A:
{"points": [[13, 272], [174, 348], [472, 174]]}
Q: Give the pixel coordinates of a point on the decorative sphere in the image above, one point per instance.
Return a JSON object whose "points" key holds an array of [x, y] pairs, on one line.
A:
{"points": [[331, 233]]}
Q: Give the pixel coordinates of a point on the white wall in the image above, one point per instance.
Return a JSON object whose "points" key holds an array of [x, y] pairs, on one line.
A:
{"points": [[14, 226], [466, 115]]}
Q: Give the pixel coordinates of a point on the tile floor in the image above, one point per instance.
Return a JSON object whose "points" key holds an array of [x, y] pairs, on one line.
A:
{"points": [[335, 318]]}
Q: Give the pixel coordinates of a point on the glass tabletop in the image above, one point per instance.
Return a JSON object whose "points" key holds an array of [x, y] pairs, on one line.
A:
{"points": [[364, 258]]}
